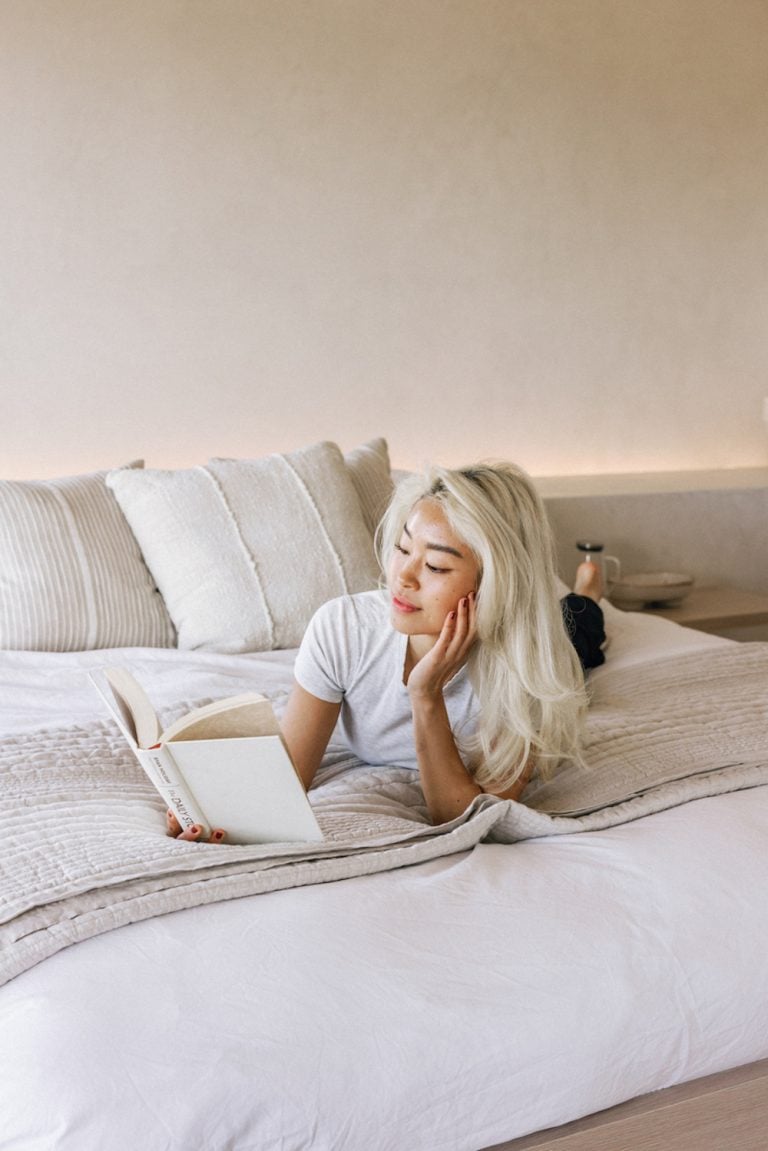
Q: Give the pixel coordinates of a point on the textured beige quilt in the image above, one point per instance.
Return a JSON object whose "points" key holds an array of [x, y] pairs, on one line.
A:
{"points": [[82, 832]]}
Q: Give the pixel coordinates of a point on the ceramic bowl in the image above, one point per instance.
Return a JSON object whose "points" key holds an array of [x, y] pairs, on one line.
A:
{"points": [[659, 588]]}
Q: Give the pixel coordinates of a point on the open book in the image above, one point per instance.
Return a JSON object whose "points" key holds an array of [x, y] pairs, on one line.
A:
{"points": [[223, 765]]}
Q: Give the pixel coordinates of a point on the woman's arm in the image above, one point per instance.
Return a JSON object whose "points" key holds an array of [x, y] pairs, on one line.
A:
{"points": [[307, 726], [447, 785]]}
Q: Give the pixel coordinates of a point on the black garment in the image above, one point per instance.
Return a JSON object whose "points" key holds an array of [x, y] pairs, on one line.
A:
{"points": [[583, 620]]}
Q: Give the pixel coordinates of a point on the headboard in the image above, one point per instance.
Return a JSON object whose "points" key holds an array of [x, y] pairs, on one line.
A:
{"points": [[711, 525]]}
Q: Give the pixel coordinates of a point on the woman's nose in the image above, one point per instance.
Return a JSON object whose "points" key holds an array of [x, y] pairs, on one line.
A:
{"points": [[408, 575]]}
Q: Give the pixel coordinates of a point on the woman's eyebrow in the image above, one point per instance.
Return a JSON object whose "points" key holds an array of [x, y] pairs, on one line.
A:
{"points": [[437, 547]]}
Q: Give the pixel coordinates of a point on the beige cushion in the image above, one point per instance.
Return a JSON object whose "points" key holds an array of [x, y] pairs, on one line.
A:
{"points": [[71, 574], [370, 471], [371, 474], [245, 551]]}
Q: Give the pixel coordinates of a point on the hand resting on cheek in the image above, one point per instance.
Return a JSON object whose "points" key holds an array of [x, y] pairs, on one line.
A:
{"points": [[449, 653]]}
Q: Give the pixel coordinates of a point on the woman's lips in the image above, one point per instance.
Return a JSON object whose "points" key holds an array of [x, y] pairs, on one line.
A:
{"points": [[401, 605]]}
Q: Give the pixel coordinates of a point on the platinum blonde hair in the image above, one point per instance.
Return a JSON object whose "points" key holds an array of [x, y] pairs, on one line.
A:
{"points": [[524, 669]]}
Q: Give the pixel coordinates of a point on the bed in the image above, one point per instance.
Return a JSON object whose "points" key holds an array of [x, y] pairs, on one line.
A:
{"points": [[402, 986]]}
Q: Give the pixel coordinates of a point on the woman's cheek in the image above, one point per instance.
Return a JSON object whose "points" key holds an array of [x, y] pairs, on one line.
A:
{"points": [[392, 574]]}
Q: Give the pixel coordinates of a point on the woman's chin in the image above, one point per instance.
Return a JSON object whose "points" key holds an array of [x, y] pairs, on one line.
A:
{"points": [[408, 623], [402, 622]]}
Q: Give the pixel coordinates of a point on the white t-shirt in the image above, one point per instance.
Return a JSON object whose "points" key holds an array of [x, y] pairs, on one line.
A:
{"points": [[351, 654]]}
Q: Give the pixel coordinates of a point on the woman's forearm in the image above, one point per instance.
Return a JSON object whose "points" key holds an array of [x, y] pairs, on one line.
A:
{"points": [[447, 785], [306, 727]]}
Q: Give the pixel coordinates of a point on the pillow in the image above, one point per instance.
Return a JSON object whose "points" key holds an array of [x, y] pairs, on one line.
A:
{"points": [[245, 551], [370, 471], [71, 574]]}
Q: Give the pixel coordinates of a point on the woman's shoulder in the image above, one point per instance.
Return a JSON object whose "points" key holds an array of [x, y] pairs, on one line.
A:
{"points": [[344, 635], [352, 622], [363, 609]]}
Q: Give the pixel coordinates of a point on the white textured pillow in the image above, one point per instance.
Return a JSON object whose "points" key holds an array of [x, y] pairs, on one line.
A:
{"points": [[371, 474], [245, 551], [71, 573]]}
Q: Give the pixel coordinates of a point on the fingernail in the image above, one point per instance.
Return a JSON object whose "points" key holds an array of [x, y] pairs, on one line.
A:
{"points": [[194, 829], [218, 835]]}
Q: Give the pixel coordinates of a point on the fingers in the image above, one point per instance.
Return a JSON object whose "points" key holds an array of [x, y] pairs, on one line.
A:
{"points": [[172, 825], [458, 633], [449, 652], [194, 834], [460, 628]]}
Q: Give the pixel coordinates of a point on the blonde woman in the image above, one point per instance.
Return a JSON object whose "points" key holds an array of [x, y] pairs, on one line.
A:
{"points": [[464, 669]]}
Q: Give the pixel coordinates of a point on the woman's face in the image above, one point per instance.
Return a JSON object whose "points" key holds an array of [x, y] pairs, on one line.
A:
{"points": [[430, 571]]}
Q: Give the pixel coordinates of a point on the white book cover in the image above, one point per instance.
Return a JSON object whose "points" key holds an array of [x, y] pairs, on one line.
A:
{"points": [[245, 784]]}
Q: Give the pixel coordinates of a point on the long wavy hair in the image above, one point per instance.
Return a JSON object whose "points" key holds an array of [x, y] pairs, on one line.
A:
{"points": [[523, 668]]}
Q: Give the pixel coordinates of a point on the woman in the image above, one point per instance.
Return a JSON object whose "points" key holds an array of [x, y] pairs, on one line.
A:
{"points": [[464, 669]]}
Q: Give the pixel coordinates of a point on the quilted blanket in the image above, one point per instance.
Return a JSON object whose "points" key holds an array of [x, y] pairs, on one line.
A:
{"points": [[84, 848]]}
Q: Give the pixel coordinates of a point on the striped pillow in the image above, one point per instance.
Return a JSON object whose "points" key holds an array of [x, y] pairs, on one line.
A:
{"points": [[71, 574], [245, 551]]}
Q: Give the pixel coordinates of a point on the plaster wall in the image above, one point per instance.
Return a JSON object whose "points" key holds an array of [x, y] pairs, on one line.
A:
{"points": [[526, 228]]}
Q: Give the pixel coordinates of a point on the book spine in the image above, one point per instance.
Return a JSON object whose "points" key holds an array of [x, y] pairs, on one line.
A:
{"points": [[160, 766]]}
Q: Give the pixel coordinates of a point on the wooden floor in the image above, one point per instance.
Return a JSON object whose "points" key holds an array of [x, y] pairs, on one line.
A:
{"points": [[725, 1112]]}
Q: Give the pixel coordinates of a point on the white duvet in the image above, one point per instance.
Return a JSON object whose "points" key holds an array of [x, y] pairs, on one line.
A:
{"points": [[453, 1004]]}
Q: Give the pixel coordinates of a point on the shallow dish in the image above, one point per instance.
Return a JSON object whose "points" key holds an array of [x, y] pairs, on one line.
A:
{"points": [[659, 588]]}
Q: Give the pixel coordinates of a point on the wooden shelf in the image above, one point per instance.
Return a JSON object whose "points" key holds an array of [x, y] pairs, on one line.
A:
{"points": [[713, 608]]}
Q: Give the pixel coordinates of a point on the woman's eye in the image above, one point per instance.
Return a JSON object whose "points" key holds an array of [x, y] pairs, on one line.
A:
{"points": [[430, 567]]}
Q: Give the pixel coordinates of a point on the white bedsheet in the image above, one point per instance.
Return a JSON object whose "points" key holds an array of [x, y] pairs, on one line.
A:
{"points": [[39, 689], [450, 1005]]}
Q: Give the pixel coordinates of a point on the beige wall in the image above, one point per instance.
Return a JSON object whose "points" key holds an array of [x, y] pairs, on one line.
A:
{"points": [[525, 228]]}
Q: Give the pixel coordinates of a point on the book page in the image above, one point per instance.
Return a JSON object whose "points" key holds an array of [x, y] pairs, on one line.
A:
{"points": [[234, 718], [134, 706]]}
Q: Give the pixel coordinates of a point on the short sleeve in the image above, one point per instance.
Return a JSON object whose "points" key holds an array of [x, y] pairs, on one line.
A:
{"points": [[319, 666]]}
